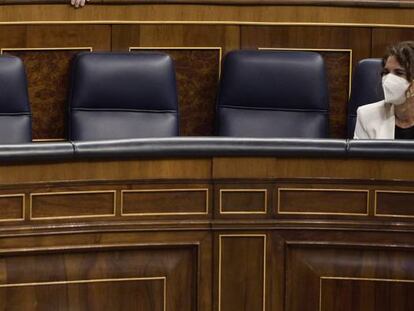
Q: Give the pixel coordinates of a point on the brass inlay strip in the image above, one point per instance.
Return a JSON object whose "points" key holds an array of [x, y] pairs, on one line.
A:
{"points": [[194, 22], [355, 279], [38, 140], [221, 236], [46, 49], [161, 278], [72, 192], [132, 48], [389, 215], [205, 212], [264, 211], [322, 190], [23, 196], [322, 50]]}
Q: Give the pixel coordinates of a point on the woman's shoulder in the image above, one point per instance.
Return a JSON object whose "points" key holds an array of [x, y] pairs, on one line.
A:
{"points": [[377, 106], [374, 110]]}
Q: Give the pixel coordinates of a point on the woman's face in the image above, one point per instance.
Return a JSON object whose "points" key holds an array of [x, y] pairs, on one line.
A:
{"points": [[394, 67]]}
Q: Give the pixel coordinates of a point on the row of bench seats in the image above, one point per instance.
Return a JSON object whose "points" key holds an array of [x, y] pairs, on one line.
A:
{"points": [[133, 95]]}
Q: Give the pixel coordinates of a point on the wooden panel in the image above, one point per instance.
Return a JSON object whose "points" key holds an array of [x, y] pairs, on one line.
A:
{"points": [[383, 37], [109, 278], [151, 13], [150, 202], [196, 50], [125, 36], [48, 69], [243, 201], [106, 170], [242, 272], [385, 294], [323, 201], [338, 61], [394, 203], [265, 167], [58, 205], [350, 3], [100, 294], [12, 207], [314, 265]]}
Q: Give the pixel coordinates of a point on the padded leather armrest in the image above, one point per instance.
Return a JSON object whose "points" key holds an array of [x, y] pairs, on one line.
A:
{"points": [[210, 146], [381, 149], [34, 152]]}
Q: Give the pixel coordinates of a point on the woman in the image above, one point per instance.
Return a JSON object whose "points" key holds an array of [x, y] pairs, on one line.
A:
{"points": [[393, 117], [78, 3]]}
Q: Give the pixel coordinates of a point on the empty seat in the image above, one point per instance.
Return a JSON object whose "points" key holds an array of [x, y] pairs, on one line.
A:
{"points": [[273, 94], [15, 115], [122, 95], [366, 89]]}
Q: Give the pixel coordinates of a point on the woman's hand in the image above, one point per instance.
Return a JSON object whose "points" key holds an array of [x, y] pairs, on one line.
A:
{"points": [[78, 3]]}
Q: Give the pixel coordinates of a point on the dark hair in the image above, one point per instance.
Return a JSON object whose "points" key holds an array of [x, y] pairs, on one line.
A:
{"points": [[404, 54]]}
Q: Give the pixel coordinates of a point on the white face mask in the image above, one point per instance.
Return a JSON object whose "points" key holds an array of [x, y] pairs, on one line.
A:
{"points": [[395, 88]]}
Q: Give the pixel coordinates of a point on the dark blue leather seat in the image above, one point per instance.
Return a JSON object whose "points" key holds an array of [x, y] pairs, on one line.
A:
{"points": [[122, 95], [273, 94], [366, 89], [15, 115]]}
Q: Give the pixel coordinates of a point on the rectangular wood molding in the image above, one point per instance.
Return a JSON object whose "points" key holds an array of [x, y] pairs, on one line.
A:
{"points": [[12, 207], [309, 201], [167, 202], [394, 203], [243, 201], [72, 204]]}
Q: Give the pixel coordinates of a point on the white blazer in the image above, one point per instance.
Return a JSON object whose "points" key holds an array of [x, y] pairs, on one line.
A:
{"points": [[375, 121]]}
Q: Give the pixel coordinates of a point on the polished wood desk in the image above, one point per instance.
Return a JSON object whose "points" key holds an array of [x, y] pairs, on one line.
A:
{"points": [[210, 233]]}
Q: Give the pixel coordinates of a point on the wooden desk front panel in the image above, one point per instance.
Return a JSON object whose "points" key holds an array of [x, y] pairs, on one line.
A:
{"points": [[247, 235]]}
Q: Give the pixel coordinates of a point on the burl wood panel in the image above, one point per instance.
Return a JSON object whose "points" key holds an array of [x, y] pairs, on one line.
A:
{"points": [[165, 202], [118, 278], [241, 272], [398, 203], [11, 207], [72, 204], [234, 201], [395, 295], [197, 69], [48, 70], [322, 201], [308, 266], [337, 62], [197, 74], [48, 81]]}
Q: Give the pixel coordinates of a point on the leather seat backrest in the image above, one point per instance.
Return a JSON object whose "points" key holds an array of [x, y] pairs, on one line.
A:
{"points": [[273, 94], [122, 95], [15, 115]]}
